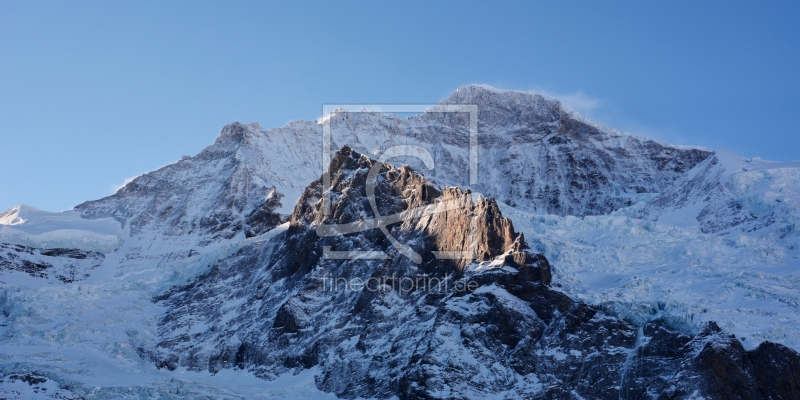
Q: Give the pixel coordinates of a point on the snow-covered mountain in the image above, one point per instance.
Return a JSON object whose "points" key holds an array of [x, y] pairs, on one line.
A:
{"points": [[637, 229], [276, 305], [534, 155]]}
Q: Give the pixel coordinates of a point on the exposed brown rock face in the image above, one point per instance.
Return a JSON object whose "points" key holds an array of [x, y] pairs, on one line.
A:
{"points": [[348, 171], [474, 226], [712, 364], [509, 334], [776, 369], [455, 223]]}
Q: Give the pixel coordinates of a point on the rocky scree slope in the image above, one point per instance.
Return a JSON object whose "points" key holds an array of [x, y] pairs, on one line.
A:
{"points": [[271, 308]]}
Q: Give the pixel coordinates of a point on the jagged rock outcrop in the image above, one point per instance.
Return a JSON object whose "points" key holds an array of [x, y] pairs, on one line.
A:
{"points": [[279, 305], [672, 364]]}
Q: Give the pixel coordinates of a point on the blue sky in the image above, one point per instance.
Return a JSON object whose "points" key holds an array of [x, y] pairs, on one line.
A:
{"points": [[92, 93]]}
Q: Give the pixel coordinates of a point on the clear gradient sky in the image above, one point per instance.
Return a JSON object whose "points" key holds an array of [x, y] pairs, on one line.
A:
{"points": [[92, 93]]}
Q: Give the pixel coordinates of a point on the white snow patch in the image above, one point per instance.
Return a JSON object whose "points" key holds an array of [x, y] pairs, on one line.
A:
{"points": [[33, 227]]}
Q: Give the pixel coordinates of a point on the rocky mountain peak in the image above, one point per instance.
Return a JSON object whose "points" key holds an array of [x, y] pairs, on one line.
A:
{"points": [[485, 95], [364, 293], [287, 307], [449, 219], [497, 107], [237, 132]]}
